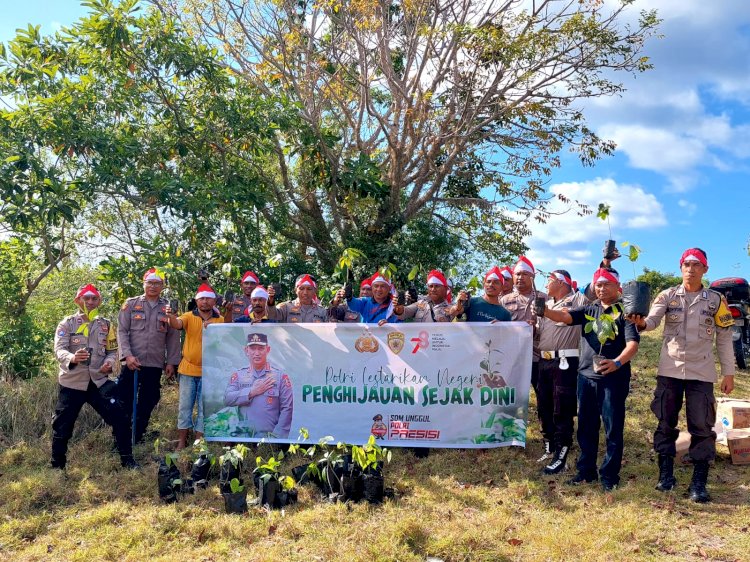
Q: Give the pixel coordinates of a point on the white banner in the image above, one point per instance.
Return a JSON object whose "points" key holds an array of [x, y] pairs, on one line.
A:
{"points": [[440, 384]]}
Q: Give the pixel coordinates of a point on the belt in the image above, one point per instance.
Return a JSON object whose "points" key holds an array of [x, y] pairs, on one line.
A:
{"points": [[559, 353]]}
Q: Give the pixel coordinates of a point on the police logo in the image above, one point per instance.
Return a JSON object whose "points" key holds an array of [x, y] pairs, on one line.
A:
{"points": [[366, 344], [61, 333], [396, 342], [673, 317], [138, 317], [672, 303], [138, 307]]}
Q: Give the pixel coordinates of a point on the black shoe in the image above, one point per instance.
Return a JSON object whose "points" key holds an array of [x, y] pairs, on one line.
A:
{"points": [[130, 463], [581, 478], [697, 490], [667, 481], [607, 487], [547, 451], [559, 461], [57, 464]]}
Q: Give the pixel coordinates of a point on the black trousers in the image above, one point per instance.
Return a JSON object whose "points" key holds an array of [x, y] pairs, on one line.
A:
{"points": [[149, 394], [700, 406], [69, 404], [555, 390]]}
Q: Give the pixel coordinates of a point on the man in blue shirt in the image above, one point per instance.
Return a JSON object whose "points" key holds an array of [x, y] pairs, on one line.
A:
{"points": [[376, 309]]}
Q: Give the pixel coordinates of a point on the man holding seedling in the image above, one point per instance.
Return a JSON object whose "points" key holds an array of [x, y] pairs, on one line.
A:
{"points": [[86, 350], [558, 371], [238, 307], [693, 318], [147, 345], [305, 308], [609, 343]]}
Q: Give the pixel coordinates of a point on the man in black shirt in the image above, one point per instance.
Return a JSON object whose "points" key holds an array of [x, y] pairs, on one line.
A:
{"points": [[603, 380]]}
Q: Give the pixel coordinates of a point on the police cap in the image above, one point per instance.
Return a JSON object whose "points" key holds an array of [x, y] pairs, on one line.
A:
{"points": [[257, 339]]}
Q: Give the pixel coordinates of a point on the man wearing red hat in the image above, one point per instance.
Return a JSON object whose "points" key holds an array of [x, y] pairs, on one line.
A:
{"points": [[305, 308], [693, 317], [237, 308], [520, 304], [435, 308], [147, 344], [558, 372], [190, 368], [257, 312], [378, 308], [365, 288], [486, 308], [602, 387], [86, 351], [507, 281]]}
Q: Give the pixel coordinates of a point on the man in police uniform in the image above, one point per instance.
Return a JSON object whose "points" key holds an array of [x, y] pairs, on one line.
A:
{"points": [[147, 344], [86, 350], [558, 371], [520, 303], [262, 392], [238, 307], [507, 281], [694, 317], [435, 308], [304, 308]]}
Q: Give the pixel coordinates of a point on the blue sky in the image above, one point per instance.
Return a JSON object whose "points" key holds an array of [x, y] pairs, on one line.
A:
{"points": [[681, 171]]}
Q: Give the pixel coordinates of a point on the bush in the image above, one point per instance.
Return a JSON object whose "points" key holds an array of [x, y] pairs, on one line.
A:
{"points": [[24, 347]]}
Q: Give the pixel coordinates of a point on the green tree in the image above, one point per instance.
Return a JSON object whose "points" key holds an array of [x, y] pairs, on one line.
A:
{"points": [[457, 110], [659, 281]]}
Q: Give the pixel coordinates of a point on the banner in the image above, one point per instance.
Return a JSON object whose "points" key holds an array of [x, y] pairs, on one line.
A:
{"points": [[452, 384]]}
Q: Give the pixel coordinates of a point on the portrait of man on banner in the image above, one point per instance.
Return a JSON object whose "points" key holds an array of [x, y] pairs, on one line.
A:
{"points": [[262, 393]]}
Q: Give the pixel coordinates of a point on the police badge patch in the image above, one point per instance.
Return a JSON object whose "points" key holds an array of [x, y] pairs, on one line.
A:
{"points": [[396, 342]]}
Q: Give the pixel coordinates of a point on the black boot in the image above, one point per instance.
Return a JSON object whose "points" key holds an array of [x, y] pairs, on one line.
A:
{"points": [[127, 461], [558, 463], [667, 481], [697, 490]]}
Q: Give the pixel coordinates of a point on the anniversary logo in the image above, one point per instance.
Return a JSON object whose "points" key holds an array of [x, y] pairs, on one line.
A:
{"points": [[455, 385]]}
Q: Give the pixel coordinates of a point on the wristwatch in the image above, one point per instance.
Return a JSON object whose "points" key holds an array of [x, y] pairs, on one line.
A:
{"points": [[618, 364]]}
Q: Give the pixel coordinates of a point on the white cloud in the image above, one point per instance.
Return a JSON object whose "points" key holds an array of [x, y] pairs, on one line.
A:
{"points": [[562, 241], [689, 207]]}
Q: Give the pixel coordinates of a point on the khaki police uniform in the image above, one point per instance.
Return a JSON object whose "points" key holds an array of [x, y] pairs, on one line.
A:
{"points": [[142, 331], [80, 383], [558, 372], [686, 367], [270, 412], [238, 307], [295, 313], [424, 310]]}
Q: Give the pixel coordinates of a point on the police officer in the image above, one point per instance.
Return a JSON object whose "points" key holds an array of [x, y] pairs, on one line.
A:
{"points": [[558, 371], [434, 308], [520, 304], [262, 392], [238, 307], [694, 317], [86, 350], [304, 308], [507, 281], [147, 344]]}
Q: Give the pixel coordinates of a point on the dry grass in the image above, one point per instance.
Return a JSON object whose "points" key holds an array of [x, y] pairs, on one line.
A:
{"points": [[479, 505]]}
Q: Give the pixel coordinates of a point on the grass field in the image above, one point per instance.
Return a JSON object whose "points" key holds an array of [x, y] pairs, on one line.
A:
{"points": [[454, 505]]}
